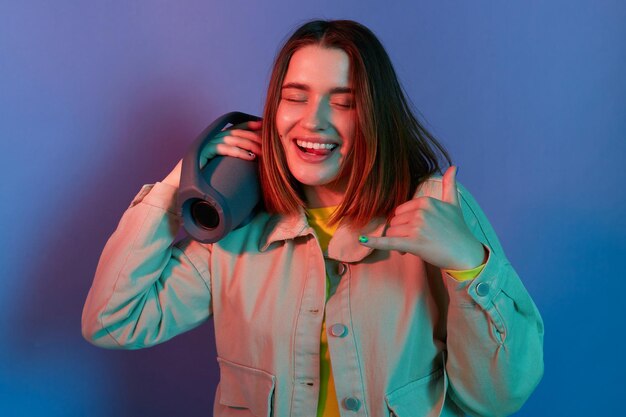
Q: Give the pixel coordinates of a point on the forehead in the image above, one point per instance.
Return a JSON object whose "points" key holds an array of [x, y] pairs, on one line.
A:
{"points": [[319, 67]]}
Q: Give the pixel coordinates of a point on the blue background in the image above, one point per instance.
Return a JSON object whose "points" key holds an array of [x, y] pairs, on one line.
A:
{"points": [[98, 98]]}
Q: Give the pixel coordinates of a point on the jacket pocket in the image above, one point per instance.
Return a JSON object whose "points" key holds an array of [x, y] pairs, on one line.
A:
{"points": [[423, 397], [242, 387]]}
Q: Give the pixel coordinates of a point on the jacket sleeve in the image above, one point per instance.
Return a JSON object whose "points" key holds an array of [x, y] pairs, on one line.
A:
{"points": [[147, 290], [495, 332]]}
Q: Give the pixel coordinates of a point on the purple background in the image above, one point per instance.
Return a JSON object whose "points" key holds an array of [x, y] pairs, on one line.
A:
{"points": [[99, 98]]}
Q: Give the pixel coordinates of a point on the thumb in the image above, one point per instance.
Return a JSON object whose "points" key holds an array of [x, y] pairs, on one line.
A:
{"points": [[450, 193]]}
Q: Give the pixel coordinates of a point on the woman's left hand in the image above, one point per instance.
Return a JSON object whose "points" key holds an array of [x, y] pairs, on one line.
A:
{"points": [[434, 230]]}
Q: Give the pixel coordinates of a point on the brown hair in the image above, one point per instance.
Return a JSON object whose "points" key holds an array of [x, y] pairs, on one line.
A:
{"points": [[392, 152]]}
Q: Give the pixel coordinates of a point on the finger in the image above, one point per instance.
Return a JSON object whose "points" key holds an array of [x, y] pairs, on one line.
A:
{"points": [[415, 204], [229, 150], [254, 124], [249, 125], [245, 134], [213, 150], [252, 135], [404, 218], [242, 143], [385, 243], [398, 231], [449, 188]]}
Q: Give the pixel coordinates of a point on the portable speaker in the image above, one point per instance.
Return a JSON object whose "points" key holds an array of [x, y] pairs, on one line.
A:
{"points": [[224, 194]]}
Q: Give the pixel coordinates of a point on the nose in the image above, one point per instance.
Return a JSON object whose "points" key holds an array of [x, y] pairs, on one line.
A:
{"points": [[317, 115]]}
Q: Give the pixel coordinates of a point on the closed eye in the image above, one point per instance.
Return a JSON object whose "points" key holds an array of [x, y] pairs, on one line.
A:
{"points": [[295, 100], [344, 101]]}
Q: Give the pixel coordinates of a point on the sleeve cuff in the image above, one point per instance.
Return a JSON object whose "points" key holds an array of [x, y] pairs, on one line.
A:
{"points": [[466, 274], [483, 287]]}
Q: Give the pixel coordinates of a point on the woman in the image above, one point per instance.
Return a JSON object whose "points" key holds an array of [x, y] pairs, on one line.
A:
{"points": [[363, 259]]}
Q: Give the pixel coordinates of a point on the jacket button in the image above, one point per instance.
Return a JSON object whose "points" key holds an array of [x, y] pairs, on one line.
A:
{"points": [[351, 403], [341, 269], [482, 289], [338, 330]]}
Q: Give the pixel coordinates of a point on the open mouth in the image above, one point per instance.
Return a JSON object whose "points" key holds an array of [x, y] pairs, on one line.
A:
{"points": [[315, 148]]}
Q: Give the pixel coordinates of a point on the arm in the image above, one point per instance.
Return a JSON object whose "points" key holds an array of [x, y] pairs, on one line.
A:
{"points": [[495, 332], [146, 290]]}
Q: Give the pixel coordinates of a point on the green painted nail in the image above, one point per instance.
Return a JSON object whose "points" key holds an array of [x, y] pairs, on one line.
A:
{"points": [[363, 239]]}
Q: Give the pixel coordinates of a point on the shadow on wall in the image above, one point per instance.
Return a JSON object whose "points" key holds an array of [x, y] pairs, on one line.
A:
{"points": [[48, 360]]}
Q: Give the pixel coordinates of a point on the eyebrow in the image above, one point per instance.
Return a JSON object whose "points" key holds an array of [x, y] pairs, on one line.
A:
{"points": [[304, 87]]}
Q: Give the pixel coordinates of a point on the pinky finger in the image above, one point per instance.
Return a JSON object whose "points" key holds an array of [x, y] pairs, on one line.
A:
{"points": [[212, 151], [228, 150]]}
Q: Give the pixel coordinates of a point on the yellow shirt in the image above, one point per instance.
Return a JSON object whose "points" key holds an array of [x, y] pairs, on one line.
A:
{"points": [[327, 405]]}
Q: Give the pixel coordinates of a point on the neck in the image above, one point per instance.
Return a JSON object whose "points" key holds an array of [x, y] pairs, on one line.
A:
{"points": [[322, 196]]}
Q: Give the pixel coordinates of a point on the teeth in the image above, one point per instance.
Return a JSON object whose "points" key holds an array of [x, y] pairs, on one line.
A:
{"points": [[311, 145]]}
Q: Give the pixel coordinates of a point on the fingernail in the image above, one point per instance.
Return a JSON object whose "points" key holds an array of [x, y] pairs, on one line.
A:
{"points": [[363, 239], [252, 155]]}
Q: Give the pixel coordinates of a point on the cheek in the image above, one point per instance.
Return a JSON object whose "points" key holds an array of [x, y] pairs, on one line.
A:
{"points": [[286, 117], [282, 127], [348, 130]]}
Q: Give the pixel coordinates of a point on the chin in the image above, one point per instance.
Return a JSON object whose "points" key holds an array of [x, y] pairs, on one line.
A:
{"points": [[314, 180]]}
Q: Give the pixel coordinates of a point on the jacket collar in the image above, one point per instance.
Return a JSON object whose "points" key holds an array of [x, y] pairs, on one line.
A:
{"points": [[282, 227], [344, 245]]}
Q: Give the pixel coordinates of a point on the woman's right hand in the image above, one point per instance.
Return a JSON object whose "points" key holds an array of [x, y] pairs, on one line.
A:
{"points": [[241, 141]]}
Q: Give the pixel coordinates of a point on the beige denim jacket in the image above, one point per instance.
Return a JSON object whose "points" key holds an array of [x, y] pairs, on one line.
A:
{"points": [[405, 339]]}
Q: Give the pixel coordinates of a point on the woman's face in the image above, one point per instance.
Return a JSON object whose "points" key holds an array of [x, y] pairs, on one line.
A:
{"points": [[316, 117]]}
